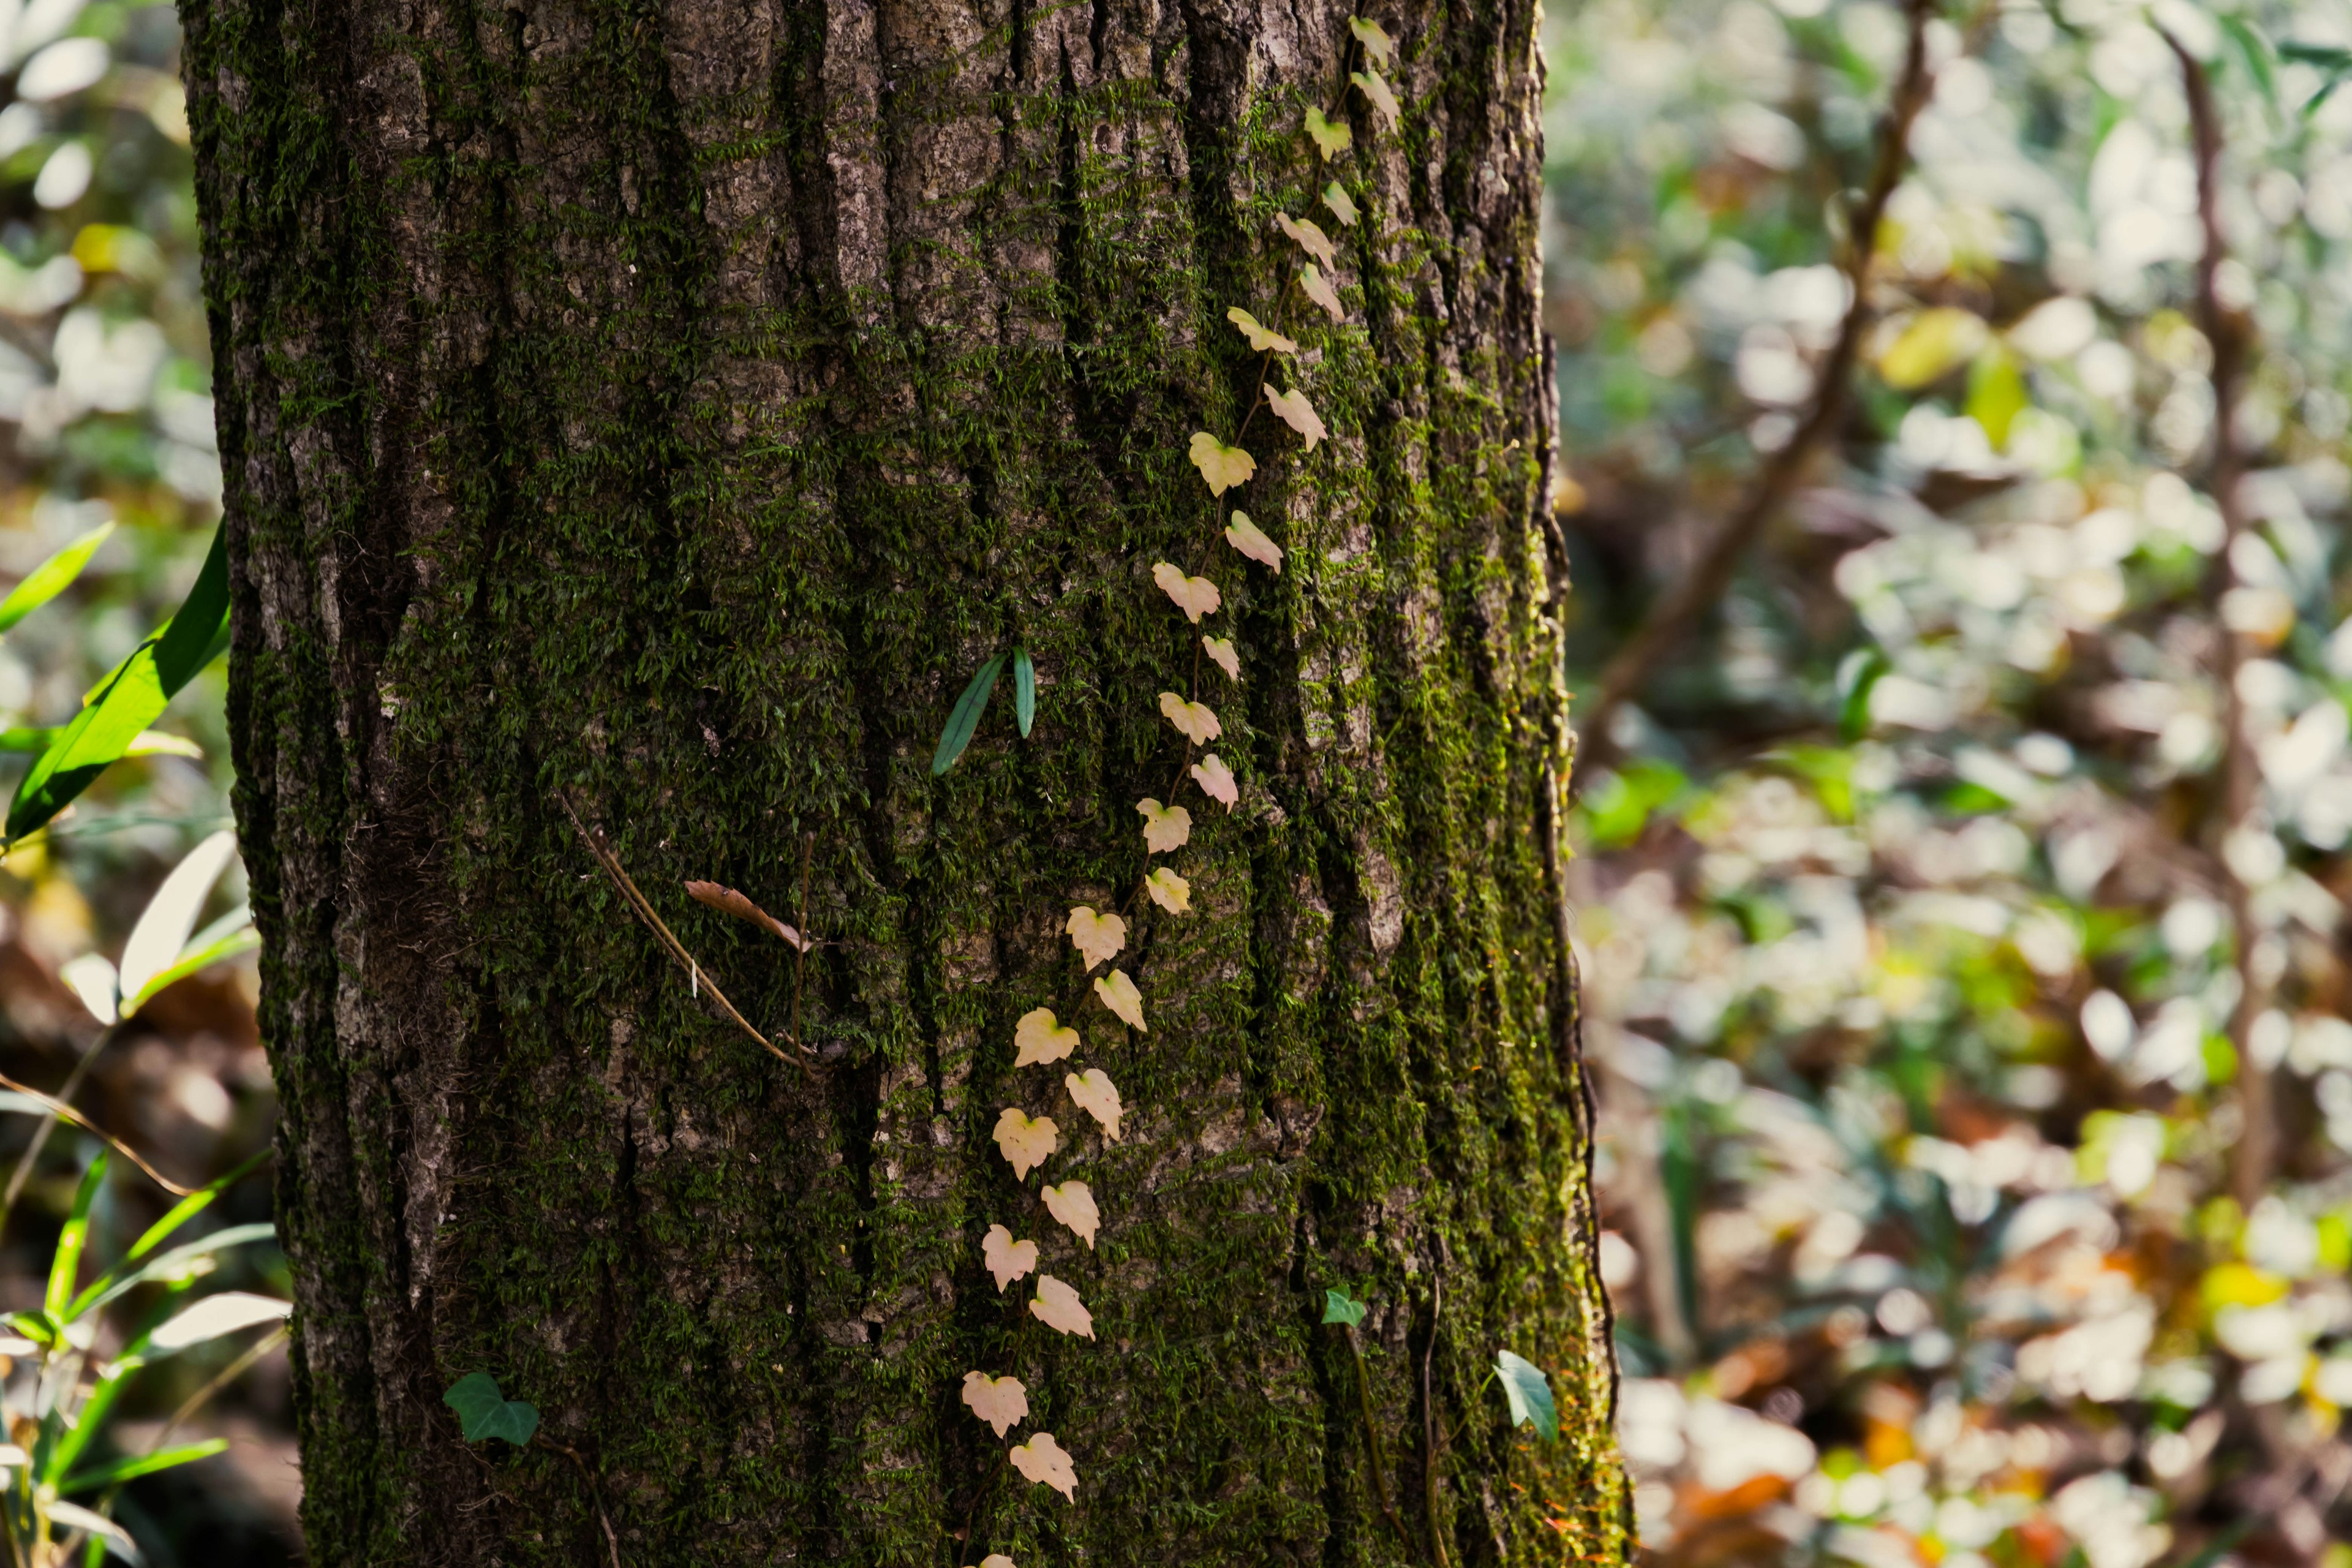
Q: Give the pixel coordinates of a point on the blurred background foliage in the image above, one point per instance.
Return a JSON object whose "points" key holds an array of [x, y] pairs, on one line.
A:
{"points": [[1909, 884], [105, 416]]}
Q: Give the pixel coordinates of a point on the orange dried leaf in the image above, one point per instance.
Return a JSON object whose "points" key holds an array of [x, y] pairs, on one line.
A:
{"points": [[1262, 338], [1196, 596], [1093, 1093], [1006, 1258], [1221, 465], [1026, 1143], [1193, 721], [1046, 1463], [1073, 1203], [1216, 780], [1002, 1402], [1168, 890], [727, 901], [1251, 541], [996, 1560], [1310, 236], [1096, 937], [1118, 993], [1040, 1036], [1165, 827], [1220, 653], [1298, 414], [1057, 1307], [1320, 293]]}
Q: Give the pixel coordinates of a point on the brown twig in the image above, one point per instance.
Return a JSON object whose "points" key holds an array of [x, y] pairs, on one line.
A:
{"points": [[1429, 1446], [595, 1492], [32, 1154], [800, 948], [675, 949], [1372, 1436], [1670, 620], [2230, 336], [68, 1113]]}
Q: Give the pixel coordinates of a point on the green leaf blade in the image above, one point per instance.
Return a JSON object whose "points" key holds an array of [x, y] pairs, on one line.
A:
{"points": [[485, 1411], [131, 1467], [965, 717], [1529, 1394], [1339, 1308], [1025, 690], [50, 578]]}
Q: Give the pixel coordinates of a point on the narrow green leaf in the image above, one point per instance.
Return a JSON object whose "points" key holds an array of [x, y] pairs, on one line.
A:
{"points": [[101, 1291], [66, 1260], [484, 1411], [965, 718], [1339, 1308], [1529, 1394], [198, 956], [157, 941], [1025, 690], [131, 1467], [2254, 50], [49, 579], [128, 699], [146, 743], [117, 1538]]}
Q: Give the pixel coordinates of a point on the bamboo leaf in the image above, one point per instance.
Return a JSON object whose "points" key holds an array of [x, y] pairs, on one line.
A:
{"points": [[199, 955], [158, 940], [146, 743], [66, 1259], [965, 718], [131, 1467], [50, 578], [116, 1539], [1025, 690]]}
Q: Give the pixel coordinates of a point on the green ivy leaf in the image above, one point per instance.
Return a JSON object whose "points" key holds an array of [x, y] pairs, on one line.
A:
{"points": [[483, 1412], [1025, 690], [1330, 139], [1339, 1308], [1529, 1392], [965, 718]]}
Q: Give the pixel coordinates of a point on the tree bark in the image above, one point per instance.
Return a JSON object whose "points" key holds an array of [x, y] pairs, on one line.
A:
{"points": [[665, 409]]}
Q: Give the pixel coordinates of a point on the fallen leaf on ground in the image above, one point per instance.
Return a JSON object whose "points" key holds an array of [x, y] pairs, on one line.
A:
{"points": [[1193, 721], [1168, 890], [1096, 937], [1044, 1461], [1002, 1402], [1027, 1142], [1093, 1093], [1073, 1203], [1057, 1307], [1165, 827], [1040, 1036], [1006, 1258], [1118, 993]]}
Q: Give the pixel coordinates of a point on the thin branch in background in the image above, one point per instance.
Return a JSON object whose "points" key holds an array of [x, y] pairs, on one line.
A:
{"points": [[699, 976], [1372, 1436], [2230, 337], [32, 1154], [65, 1112], [1430, 1447], [1674, 618]]}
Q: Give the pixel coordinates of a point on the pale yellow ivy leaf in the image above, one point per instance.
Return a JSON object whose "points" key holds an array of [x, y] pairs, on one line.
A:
{"points": [[1311, 238], [1006, 1258], [1298, 414], [1040, 1036], [1002, 1402], [1093, 1093], [1251, 541], [1216, 780], [1193, 721], [1369, 84], [1096, 937], [1165, 827], [1057, 1306], [1224, 467], [1196, 596], [1026, 1143], [1118, 993], [1262, 339], [1073, 1203], [1168, 890], [1046, 1464], [1341, 207], [996, 1560], [1329, 139], [1376, 43], [1320, 293], [1221, 654]]}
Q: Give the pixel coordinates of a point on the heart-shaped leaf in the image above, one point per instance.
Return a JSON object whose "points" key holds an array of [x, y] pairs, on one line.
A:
{"points": [[1165, 827], [1097, 937], [1193, 721], [1057, 1307], [1262, 339], [1298, 414], [1002, 1402], [1376, 42], [1339, 1308], [1251, 541], [1196, 596], [1221, 465], [1529, 1394], [1040, 1036], [1118, 993], [1216, 780], [965, 717], [1046, 1463], [1330, 139], [1093, 1093], [1342, 207], [1025, 1142], [1168, 890], [484, 1413], [1006, 1258], [1309, 238], [1073, 1204]]}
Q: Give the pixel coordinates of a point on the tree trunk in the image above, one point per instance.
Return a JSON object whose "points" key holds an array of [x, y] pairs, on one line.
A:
{"points": [[664, 411]]}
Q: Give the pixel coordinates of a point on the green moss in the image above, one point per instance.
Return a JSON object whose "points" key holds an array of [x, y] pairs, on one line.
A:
{"points": [[712, 545]]}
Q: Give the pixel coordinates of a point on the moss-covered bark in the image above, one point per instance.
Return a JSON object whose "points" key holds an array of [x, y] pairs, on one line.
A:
{"points": [[671, 406]]}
